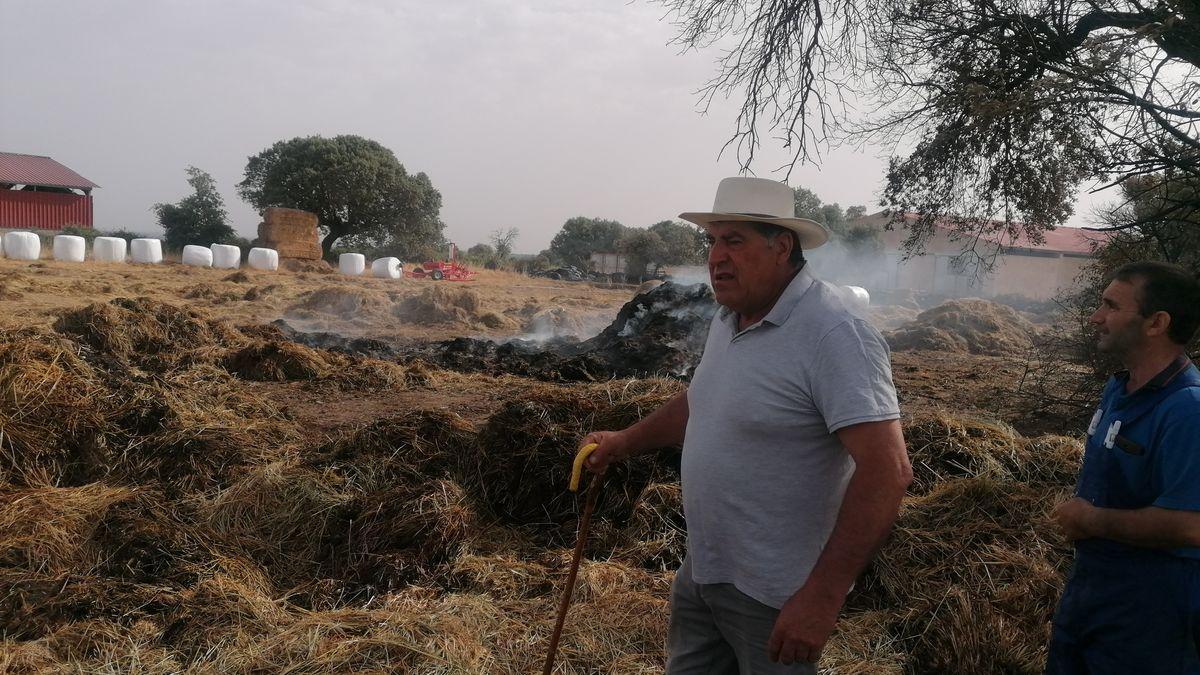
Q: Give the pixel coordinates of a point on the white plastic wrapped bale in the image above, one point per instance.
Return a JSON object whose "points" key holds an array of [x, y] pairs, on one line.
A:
{"points": [[352, 264], [108, 249], [263, 259], [387, 268], [197, 256], [69, 248], [147, 251], [226, 257], [857, 296], [22, 246]]}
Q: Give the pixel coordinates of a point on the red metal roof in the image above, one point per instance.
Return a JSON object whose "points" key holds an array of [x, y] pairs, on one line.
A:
{"points": [[37, 170], [1060, 240]]}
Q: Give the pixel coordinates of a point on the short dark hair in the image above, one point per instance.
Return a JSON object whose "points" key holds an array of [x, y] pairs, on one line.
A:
{"points": [[1166, 288], [796, 258]]}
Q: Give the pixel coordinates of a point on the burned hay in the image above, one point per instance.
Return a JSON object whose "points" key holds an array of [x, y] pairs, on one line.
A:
{"points": [[276, 362], [521, 463], [966, 326], [429, 443], [402, 535]]}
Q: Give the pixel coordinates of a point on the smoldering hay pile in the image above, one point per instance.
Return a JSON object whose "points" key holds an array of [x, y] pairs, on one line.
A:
{"points": [[155, 517], [659, 333]]}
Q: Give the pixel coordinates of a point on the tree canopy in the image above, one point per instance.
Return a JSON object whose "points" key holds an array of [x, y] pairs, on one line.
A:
{"points": [[1008, 107], [357, 188], [580, 237], [683, 243], [199, 218]]}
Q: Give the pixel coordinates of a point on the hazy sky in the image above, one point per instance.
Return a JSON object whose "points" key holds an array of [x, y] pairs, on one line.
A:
{"points": [[522, 114]]}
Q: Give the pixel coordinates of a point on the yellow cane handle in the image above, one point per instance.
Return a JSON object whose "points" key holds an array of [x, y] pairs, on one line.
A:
{"points": [[577, 466]]}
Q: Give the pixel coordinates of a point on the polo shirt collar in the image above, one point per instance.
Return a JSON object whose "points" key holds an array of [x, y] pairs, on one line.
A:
{"points": [[1162, 379], [782, 309]]}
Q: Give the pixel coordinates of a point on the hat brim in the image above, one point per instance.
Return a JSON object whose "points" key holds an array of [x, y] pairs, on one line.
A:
{"points": [[812, 234]]}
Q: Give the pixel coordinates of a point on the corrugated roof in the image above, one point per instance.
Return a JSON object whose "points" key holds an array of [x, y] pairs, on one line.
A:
{"points": [[1059, 240], [38, 170]]}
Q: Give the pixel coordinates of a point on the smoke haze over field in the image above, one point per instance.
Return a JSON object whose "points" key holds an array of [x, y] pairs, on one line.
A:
{"points": [[522, 114]]}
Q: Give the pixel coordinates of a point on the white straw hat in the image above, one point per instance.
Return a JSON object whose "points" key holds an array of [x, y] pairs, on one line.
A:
{"points": [[760, 200]]}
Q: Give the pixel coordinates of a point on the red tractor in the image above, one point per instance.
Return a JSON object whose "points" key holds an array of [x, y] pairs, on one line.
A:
{"points": [[440, 270]]}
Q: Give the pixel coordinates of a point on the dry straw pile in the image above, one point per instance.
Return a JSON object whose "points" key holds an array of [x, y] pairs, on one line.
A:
{"points": [[968, 326], [156, 518]]}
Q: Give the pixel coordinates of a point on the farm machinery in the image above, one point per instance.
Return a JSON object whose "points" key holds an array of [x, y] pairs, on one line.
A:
{"points": [[443, 270]]}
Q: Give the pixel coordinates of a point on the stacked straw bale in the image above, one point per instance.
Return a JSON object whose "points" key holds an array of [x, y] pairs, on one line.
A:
{"points": [[290, 232]]}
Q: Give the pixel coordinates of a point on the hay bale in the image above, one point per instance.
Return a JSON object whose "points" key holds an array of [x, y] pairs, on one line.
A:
{"points": [[966, 326], [291, 232], [441, 303]]}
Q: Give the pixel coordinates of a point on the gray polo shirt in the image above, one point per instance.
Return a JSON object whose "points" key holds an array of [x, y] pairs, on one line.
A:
{"points": [[763, 473]]}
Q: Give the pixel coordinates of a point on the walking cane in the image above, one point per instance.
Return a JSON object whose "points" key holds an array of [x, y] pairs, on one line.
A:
{"points": [[584, 521]]}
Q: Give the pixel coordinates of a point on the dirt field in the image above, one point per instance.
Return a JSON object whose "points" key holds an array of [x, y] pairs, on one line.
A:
{"points": [[181, 490]]}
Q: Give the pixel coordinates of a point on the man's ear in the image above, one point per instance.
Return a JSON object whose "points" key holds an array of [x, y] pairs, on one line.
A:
{"points": [[784, 243], [1157, 324]]}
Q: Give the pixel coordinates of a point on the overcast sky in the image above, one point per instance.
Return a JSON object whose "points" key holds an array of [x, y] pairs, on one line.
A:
{"points": [[522, 114]]}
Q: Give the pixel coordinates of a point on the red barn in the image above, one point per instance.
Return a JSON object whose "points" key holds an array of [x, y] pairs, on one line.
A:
{"points": [[39, 193]]}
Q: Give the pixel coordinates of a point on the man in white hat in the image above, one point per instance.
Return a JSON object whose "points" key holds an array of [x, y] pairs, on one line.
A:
{"points": [[794, 465]]}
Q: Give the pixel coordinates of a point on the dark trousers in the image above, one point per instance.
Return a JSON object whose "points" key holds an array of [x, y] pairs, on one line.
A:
{"points": [[1128, 611]]}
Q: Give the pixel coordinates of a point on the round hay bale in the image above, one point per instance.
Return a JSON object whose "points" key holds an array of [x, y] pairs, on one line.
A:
{"points": [[970, 325]]}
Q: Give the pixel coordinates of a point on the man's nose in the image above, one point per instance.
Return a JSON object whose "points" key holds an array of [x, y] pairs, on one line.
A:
{"points": [[1096, 318]]}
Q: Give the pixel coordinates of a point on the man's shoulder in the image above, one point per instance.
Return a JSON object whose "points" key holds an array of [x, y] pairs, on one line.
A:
{"points": [[1184, 402]]}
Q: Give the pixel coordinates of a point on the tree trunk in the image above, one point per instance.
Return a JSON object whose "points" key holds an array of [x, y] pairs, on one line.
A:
{"points": [[327, 243]]}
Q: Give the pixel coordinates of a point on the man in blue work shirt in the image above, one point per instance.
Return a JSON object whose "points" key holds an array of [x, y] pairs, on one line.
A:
{"points": [[1132, 600]]}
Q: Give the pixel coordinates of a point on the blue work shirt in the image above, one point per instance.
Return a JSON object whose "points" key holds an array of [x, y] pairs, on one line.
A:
{"points": [[1143, 449]]}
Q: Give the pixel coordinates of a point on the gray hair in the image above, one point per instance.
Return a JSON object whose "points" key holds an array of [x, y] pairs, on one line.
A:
{"points": [[796, 258]]}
